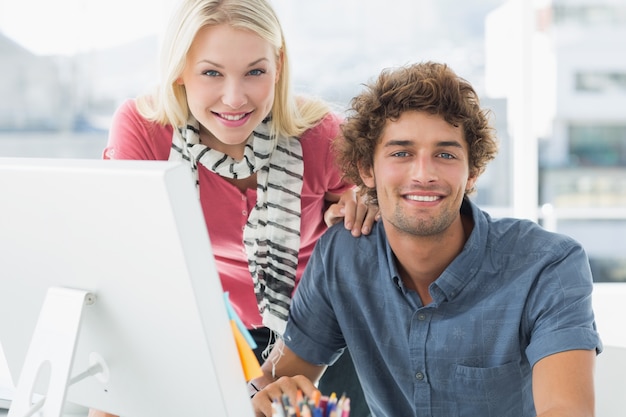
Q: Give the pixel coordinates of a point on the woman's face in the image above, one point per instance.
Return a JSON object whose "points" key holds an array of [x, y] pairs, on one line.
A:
{"points": [[230, 77]]}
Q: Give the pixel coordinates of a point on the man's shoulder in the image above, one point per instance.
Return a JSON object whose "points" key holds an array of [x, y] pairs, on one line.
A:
{"points": [[335, 232], [337, 238], [527, 234]]}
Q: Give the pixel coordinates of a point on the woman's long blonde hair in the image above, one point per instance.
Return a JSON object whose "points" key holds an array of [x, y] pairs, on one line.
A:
{"points": [[168, 104]]}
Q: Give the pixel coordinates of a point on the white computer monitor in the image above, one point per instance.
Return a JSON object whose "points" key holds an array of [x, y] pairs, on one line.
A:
{"points": [[128, 240]]}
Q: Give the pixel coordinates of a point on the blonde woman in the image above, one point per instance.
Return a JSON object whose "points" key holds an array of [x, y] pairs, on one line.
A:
{"points": [[260, 156]]}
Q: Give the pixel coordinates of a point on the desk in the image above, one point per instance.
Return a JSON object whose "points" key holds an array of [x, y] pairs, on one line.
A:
{"points": [[4, 413]]}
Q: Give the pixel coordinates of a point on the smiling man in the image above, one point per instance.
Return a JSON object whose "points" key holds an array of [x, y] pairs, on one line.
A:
{"points": [[446, 311]]}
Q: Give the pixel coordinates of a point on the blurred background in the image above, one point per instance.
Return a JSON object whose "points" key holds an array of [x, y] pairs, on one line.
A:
{"points": [[552, 72]]}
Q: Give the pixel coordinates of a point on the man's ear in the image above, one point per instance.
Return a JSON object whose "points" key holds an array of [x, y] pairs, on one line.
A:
{"points": [[367, 175], [471, 181]]}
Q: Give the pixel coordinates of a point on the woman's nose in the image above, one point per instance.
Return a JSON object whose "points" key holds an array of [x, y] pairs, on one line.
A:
{"points": [[234, 95]]}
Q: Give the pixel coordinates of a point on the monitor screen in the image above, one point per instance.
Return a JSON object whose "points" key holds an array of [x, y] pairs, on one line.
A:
{"points": [[131, 236]]}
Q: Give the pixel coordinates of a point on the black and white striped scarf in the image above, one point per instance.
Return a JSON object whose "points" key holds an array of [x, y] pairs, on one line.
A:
{"points": [[272, 233]]}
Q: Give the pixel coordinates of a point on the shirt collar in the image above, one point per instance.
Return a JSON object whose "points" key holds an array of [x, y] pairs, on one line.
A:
{"points": [[465, 266]]}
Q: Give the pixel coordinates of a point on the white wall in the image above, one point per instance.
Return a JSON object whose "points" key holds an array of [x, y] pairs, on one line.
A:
{"points": [[609, 301]]}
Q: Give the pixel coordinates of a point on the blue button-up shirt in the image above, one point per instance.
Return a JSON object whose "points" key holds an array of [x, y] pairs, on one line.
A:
{"points": [[515, 294]]}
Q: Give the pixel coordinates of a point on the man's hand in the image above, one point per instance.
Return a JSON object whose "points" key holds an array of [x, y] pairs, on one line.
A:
{"points": [[262, 401]]}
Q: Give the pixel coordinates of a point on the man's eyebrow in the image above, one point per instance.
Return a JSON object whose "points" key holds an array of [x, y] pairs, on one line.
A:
{"points": [[398, 142], [450, 143], [441, 144]]}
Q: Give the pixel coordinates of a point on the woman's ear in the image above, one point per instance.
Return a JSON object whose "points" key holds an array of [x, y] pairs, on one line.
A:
{"points": [[279, 64]]}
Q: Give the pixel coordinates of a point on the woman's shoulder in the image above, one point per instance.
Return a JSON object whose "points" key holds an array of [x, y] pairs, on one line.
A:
{"points": [[127, 109], [132, 136], [128, 113], [327, 128]]}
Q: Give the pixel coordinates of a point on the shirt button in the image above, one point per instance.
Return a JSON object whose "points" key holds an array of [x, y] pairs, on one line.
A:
{"points": [[419, 376], [421, 316], [244, 212]]}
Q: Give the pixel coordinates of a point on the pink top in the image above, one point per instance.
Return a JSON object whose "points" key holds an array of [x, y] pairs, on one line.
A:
{"points": [[225, 207]]}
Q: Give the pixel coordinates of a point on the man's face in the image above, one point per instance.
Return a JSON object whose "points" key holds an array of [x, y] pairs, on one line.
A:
{"points": [[420, 173]]}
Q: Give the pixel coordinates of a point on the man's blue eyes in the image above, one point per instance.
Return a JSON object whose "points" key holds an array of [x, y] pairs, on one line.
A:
{"points": [[401, 154], [443, 155]]}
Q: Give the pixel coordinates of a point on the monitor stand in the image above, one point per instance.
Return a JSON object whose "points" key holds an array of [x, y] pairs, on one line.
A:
{"points": [[50, 355]]}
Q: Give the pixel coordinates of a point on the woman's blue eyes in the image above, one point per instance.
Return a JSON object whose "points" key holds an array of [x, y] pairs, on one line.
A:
{"points": [[254, 72]]}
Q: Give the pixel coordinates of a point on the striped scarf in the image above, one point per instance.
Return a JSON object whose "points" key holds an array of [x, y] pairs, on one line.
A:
{"points": [[272, 233]]}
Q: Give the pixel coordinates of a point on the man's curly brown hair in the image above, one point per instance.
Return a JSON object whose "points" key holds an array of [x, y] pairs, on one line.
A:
{"points": [[429, 87]]}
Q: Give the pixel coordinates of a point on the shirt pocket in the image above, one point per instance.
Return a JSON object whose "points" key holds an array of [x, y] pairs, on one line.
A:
{"points": [[489, 392]]}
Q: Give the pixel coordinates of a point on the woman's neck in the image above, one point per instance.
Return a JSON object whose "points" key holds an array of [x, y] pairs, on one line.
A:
{"points": [[209, 140]]}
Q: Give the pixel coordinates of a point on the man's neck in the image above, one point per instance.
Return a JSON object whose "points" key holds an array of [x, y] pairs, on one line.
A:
{"points": [[422, 259]]}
